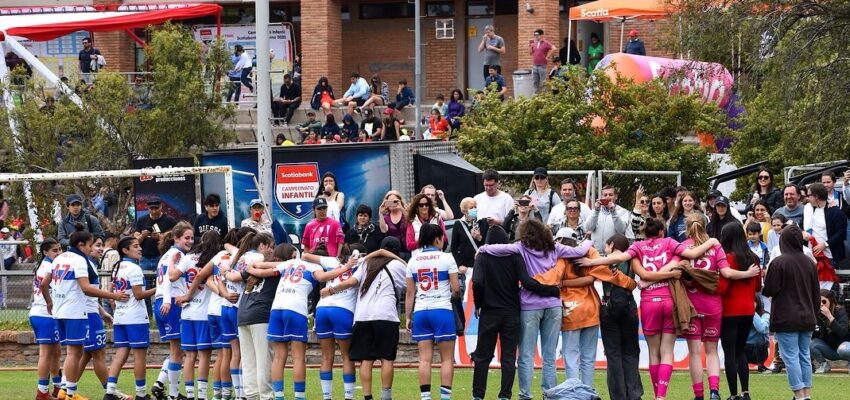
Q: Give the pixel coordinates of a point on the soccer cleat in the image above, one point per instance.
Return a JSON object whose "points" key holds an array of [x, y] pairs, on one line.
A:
{"points": [[43, 396], [714, 396], [158, 392], [122, 396], [145, 397], [109, 396], [61, 395], [56, 390], [78, 396]]}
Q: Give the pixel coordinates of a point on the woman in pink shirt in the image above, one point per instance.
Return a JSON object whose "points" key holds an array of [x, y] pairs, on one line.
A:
{"points": [[704, 330], [654, 259], [420, 212]]}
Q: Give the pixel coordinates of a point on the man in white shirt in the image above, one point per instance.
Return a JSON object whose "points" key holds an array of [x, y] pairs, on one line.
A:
{"points": [[607, 219], [558, 212], [8, 252], [493, 204]]}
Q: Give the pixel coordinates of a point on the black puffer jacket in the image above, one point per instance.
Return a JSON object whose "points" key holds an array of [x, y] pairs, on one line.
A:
{"points": [[773, 198]]}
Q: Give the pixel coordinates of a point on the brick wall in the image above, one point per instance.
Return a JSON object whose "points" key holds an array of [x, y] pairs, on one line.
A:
{"points": [[118, 49], [439, 61], [321, 45], [545, 16], [654, 34], [377, 46]]}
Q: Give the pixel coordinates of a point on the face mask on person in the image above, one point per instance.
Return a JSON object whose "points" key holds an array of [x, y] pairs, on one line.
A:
{"points": [[472, 213]]}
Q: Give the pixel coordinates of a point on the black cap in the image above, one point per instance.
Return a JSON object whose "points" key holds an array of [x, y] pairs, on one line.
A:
{"points": [[540, 171], [714, 193], [391, 244], [73, 198], [722, 200], [320, 202], [153, 201]]}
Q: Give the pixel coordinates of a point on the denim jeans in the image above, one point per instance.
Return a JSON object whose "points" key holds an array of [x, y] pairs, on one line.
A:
{"points": [[822, 351], [794, 347], [547, 324], [579, 350], [538, 76]]}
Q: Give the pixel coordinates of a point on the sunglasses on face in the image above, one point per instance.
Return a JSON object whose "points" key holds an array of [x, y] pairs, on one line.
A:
{"points": [[763, 177], [539, 178], [642, 202], [424, 205], [572, 208]]}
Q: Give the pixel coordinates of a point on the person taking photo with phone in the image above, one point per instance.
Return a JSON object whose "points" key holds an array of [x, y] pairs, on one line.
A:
{"points": [[523, 210], [607, 219]]}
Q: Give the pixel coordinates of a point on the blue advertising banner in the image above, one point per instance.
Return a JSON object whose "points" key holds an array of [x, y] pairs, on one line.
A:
{"points": [[362, 173]]}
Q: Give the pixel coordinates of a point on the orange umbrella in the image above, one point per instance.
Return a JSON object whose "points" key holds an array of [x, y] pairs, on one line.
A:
{"points": [[621, 10]]}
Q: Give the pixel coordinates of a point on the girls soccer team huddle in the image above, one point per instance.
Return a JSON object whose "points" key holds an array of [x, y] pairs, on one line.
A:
{"points": [[239, 296]]}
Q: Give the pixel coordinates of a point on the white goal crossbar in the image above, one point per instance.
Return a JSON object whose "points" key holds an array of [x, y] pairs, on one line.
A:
{"points": [[131, 173]]}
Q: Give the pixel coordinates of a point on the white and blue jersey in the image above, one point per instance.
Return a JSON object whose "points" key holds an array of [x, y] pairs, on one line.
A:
{"points": [[164, 286], [198, 307], [131, 321], [39, 305], [244, 261], [430, 270], [69, 301], [43, 324], [288, 320], [214, 318], [335, 314], [132, 311], [433, 318]]}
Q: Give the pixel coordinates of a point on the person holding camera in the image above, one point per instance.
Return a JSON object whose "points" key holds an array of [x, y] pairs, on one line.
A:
{"points": [[831, 339], [608, 219], [523, 210]]}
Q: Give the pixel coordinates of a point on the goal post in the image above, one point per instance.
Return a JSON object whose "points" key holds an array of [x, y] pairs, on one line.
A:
{"points": [[226, 170]]}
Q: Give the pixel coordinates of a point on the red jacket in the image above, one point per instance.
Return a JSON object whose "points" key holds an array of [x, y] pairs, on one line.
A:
{"points": [[738, 296]]}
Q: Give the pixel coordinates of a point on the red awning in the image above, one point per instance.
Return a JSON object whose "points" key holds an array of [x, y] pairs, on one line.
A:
{"points": [[619, 9], [46, 23]]}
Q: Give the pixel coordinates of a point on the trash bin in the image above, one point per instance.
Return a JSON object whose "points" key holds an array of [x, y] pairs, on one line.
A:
{"points": [[523, 83]]}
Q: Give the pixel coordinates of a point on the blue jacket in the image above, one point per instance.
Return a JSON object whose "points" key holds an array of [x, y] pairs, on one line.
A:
{"points": [[406, 97], [316, 99], [836, 230], [351, 130], [635, 47], [328, 130]]}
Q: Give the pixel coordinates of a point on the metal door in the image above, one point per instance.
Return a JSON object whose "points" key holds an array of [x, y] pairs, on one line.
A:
{"points": [[474, 58]]}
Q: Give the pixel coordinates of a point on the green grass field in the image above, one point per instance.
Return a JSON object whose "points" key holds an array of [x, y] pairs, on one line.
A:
{"points": [[20, 385]]}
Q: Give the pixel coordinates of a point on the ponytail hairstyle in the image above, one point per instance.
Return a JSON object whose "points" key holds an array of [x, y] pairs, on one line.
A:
{"points": [[283, 252], [251, 241], [654, 228], [428, 234], [80, 236], [209, 245], [168, 239], [695, 225], [45, 246], [122, 247]]}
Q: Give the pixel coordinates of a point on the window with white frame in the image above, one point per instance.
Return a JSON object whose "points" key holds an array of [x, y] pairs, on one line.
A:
{"points": [[445, 28]]}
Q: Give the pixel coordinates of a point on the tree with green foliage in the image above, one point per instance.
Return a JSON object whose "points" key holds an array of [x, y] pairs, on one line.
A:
{"points": [[643, 129], [792, 70], [176, 111]]}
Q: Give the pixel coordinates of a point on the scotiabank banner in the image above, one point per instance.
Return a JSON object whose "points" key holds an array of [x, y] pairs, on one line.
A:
{"points": [[362, 173]]}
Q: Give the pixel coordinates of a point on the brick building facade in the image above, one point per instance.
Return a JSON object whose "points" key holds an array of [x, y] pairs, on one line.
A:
{"points": [[336, 37]]}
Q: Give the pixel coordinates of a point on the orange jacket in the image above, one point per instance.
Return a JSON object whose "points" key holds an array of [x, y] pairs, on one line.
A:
{"points": [[581, 304]]}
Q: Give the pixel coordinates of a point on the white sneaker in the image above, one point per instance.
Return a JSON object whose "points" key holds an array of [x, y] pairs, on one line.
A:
{"points": [[823, 368]]}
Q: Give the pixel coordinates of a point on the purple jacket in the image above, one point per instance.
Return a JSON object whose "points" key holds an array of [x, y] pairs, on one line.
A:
{"points": [[536, 262]]}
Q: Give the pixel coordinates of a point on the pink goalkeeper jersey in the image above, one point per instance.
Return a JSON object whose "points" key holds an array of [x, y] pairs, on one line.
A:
{"points": [[653, 255], [713, 260]]}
